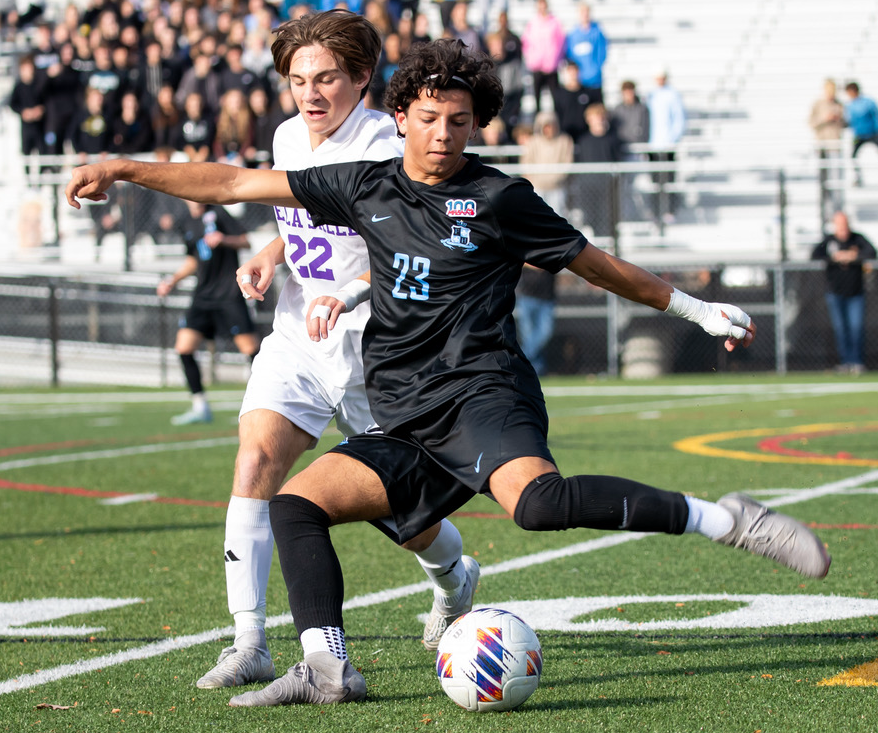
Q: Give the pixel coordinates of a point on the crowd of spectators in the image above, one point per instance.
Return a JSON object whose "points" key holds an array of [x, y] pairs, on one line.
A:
{"points": [[197, 77]]}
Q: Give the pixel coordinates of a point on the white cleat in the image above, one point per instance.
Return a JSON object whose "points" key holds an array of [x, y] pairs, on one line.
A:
{"points": [[192, 417], [320, 680], [241, 666], [762, 531], [442, 617]]}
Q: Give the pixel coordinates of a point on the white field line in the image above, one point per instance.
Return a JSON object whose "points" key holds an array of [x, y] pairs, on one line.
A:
{"points": [[183, 642]]}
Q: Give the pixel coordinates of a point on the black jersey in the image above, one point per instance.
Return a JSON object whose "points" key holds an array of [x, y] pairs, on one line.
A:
{"points": [[218, 266], [445, 261]]}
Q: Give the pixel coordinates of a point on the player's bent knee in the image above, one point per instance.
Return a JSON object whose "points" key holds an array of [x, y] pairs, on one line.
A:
{"points": [[539, 507]]}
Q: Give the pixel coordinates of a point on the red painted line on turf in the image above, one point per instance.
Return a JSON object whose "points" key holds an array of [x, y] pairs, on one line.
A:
{"points": [[96, 494], [776, 443], [36, 448]]}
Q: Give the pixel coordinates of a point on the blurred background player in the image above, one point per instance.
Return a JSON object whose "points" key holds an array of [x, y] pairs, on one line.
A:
{"points": [[213, 238]]}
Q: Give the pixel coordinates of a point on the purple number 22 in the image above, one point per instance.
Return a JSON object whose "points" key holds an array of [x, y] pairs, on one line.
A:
{"points": [[315, 267]]}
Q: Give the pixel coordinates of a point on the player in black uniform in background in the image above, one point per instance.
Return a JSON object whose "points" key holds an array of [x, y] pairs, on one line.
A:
{"points": [[213, 238], [459, 405]]}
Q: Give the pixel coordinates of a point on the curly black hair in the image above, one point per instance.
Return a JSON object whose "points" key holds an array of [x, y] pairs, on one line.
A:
{"points": [[446, 64]]}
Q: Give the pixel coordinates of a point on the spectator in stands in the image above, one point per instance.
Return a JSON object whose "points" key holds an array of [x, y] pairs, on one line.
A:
{"points": [[132, 129], [196, 131], [234, 128], [587, 48], [106, 78], [667, 123], [257, 56], [570, 100], [461, 28], [127, 62], [629, 120], [543, 43], [28, 101], [265, 122], [234, 75], [43, 48], [213, 238], [165, 117], [846, 253], [376, 12], [91, 134], [861, 115], [535, 314], [548, 145], [406, 30], [63, 98], [510, 71], [156, 71], [594, 191], [827, 122], [388, 63], [203, 80]]}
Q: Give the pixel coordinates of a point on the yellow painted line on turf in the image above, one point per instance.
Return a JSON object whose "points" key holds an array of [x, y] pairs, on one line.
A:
{"points": [[699, 445], [866, 675]]}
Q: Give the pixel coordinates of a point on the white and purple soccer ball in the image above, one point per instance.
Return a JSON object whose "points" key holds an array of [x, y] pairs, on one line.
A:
{"points": [[489, 659]]}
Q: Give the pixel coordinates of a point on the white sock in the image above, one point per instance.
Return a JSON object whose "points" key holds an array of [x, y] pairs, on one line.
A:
{"points": [[247, 621], [199, 402], [441, 561], [707, 518], [249, 550], [324, 639]]}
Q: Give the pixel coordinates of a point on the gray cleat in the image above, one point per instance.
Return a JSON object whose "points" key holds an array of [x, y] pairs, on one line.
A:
{"points": [[441, 618], [249, 662], [321, 679], [762, 531]]}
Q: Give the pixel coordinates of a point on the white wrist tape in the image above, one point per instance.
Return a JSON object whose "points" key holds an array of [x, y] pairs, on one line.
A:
{"points": [[718, 319], [352, 294]]}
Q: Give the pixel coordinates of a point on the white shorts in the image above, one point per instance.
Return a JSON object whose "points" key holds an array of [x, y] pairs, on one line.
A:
{"points": [[288, 383]]}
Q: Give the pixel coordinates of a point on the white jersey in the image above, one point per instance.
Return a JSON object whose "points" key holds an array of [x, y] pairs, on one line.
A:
{"points": [[322, 259]]}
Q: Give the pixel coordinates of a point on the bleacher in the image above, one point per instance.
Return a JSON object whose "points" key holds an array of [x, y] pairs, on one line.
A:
{"points": [[748, 72]]}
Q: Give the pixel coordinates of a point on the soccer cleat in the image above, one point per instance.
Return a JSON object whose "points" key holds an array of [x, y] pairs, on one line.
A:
{"points": [[765, 532], [193, 416], [441, 618], [236, 667], [321, 679]]}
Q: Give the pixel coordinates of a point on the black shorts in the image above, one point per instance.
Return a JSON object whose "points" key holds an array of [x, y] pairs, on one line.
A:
{"points": [[436, 464], [225, 318]]}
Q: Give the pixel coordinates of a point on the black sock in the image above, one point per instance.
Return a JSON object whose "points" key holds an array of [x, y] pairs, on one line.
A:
{"points": [[315, 585], [551, 502], [192, 373]]}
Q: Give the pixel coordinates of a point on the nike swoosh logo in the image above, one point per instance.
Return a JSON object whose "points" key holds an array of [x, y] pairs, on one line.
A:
{"points": [[377, 218], [479, 462]]}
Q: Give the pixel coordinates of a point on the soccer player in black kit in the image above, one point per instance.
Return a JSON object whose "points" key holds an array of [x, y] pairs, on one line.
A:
{"points": [[459, 407]]}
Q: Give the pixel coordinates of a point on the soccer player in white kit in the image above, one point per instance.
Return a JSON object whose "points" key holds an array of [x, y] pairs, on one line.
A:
{"points": [[297, 386]]}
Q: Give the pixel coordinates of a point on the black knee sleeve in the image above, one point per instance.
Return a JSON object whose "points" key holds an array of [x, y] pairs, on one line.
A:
{"points": [[312, 573], [192, 373], [551, 502]]}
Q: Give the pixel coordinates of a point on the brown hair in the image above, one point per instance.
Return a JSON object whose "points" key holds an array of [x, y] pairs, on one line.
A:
{"points": [[350, 38]]}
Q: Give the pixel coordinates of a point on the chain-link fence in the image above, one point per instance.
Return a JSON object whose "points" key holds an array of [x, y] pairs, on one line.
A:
{"points": [[86, 329], [89, 329]]}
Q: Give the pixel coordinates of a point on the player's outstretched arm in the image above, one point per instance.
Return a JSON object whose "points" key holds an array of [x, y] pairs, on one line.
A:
{"points": [[207, 183], [323, 312], [636, 284], [256, 274]]}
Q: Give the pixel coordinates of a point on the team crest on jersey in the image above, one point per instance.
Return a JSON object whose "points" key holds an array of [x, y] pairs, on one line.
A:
{"points": [[460, 238], [459, 208]]}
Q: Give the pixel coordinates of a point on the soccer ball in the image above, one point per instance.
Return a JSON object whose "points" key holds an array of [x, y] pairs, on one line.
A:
{"points": [[489, 659]]}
